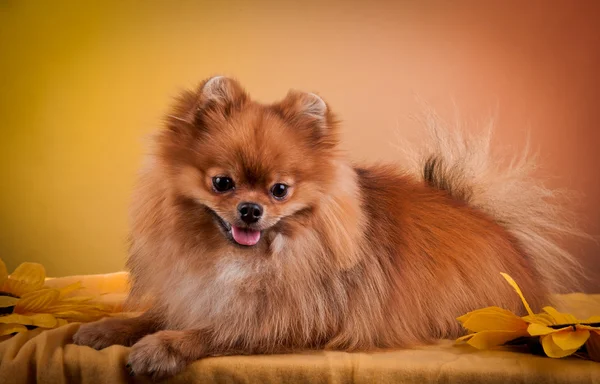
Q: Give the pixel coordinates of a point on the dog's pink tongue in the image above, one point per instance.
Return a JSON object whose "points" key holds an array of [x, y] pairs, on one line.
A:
{"points": [[245, 236]]}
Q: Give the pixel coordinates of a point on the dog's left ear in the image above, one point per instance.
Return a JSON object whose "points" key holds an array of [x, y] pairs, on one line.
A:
{"points": [[308, 112]]}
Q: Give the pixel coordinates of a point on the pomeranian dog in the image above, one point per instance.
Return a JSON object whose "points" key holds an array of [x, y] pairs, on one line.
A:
{"points": [[253, 234]]}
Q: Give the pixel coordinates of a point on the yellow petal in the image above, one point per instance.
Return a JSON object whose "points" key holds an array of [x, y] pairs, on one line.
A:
{"points": [[593, 346], [37, 301], [465, 337], [560, 318], [7, 329], [569, 339], [540, 330], [7, 301], [77, 299], [43, 320], [489, 339], [553, 350], [80, 316], [593, 319], [66, 307], [61, 322], [64, 291], [588, 327], [26, 278], [540, 318], [466, 316], [15, 318], [495, 319], [3, 273], [518, 290]]}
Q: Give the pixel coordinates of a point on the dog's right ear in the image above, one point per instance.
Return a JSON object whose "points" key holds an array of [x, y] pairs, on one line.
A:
{"points": [[218, 94]]}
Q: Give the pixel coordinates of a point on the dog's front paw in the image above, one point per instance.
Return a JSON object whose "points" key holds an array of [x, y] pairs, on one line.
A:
{"points": [[98, 335], [158, 356]]}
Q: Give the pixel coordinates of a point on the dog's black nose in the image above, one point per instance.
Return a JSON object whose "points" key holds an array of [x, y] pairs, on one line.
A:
{"points": [[250, 212]]}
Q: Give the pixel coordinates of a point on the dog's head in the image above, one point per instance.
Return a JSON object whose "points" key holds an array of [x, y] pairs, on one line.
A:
{"points": [[251, 166]]}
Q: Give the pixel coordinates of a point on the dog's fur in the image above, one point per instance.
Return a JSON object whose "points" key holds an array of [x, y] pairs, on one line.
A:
{"points": [[354, 258]]}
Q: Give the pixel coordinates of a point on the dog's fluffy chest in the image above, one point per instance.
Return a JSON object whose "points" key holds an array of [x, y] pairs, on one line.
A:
{"points": [[241, 296], [200, 299]]}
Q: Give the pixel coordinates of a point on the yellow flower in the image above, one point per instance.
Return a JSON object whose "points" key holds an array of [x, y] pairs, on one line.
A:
{"points": [[25, 302], [561, 334], [565, 334]]}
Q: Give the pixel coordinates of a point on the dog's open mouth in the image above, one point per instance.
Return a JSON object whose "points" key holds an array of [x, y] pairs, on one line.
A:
{"points": [[245, 236], [239, 235]]}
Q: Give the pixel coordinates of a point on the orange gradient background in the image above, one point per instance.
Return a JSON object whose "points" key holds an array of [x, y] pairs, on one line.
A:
{"points": [[82, 83]]}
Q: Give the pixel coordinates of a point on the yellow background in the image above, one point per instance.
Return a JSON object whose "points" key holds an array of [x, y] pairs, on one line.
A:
{"points": [[82, 83]]}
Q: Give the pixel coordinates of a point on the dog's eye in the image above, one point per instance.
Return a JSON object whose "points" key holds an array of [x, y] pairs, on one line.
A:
{"points": [[279, 191], [222, 183]]}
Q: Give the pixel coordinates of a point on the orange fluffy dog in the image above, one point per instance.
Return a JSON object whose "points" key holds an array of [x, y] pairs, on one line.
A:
{"points": [[252, 233]]}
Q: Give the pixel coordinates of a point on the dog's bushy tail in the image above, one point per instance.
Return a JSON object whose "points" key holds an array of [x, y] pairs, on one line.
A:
{"points": [[505, 188]]}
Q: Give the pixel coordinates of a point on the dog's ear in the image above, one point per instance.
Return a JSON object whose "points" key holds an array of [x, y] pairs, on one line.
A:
{"points": [[220, 92], [218, 95], [309, 113], [304, 107]]}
